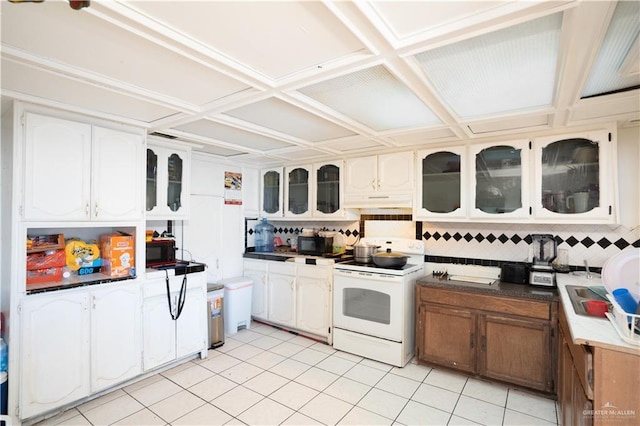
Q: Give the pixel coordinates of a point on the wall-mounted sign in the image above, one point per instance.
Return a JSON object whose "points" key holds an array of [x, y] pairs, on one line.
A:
{"points": [[232, 188]]}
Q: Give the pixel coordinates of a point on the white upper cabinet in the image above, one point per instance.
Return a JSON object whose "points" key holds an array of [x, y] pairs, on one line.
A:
{"points": [[272, 192], [441, 191], [250, 192], [379, 180], [329, 198], [77, 172], [575, 178], [499, 180], [168, 182], [298, 191]]}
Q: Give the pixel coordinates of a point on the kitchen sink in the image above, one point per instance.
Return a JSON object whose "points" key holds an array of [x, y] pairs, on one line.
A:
{"points": [[579, 297]]}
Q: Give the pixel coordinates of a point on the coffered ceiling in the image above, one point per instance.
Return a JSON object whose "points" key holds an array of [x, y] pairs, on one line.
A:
{"points": [[297, 81]]}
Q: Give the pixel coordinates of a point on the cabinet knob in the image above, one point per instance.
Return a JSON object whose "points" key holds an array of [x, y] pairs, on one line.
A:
{"points": [[96, 209], [86, 209]]}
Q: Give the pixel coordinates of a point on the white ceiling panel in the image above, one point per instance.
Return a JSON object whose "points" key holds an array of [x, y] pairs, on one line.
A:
{"points": [[409, 18], [66, 91], [512, 69], [509, 124], [424, 137], [85, 42], [608, 73], [272, 38], [268, 82], [241, 138], [283, 117], [373, 97]]}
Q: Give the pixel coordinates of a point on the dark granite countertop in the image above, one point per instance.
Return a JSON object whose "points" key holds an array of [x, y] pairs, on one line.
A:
{"points": [[498, 288], [276, 256]]}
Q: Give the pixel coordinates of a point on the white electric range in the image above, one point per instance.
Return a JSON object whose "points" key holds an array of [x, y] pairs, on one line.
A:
{"points": [[373, 307]]}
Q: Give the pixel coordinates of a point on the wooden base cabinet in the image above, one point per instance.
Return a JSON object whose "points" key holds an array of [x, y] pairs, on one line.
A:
{"points": [[596, 386], [506, 339]]}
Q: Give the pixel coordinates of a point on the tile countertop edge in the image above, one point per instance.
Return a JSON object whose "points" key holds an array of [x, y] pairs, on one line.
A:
{"points": [[590, 331]]}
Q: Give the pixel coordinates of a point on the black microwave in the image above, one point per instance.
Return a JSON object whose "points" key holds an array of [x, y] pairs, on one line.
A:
{"points": [[160, 253], [315, 246]]}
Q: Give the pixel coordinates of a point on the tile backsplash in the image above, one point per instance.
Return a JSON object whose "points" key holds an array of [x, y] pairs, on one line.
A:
{"points": [[499, 242], [511, 242]]}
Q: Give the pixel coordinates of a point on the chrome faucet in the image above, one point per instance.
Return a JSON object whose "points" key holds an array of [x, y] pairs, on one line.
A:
{"points": [[586, 266]]}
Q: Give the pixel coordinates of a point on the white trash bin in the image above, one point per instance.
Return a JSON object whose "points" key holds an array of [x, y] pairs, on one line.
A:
{"points": [[237, 304]]}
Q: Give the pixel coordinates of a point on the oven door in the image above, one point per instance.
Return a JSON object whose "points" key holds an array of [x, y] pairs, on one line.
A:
{"points": [[369, 304]]}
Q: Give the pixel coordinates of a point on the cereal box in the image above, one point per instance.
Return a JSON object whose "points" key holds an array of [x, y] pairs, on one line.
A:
{"points": [[118, 255]]}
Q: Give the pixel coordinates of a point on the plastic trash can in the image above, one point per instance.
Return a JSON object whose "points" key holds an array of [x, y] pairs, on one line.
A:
{"points": [[237, 299], [215, 315]]}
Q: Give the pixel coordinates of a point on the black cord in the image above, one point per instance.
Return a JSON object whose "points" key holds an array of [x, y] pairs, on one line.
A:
{"points": [[182, 296]]}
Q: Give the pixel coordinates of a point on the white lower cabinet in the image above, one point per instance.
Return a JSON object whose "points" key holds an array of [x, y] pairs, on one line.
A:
{"points": [[313, 299], [282, 293], [256, 270], [291, 295], [166, 339], [77, 343], [55, 352], [116, 331]]}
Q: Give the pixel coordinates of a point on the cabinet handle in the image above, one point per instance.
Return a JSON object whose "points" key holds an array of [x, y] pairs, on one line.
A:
{"points": [[96, 209], [473, 341], [378, 183], [86, 209], [93, 301], [483, 343], [373, 184]]}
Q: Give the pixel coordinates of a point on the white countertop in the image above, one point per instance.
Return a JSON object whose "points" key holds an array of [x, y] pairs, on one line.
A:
{"points": [[586, 330]]}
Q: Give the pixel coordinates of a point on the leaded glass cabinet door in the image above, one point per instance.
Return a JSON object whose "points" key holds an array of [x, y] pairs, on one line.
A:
{"points": [[575, 178], [440, 184], [174, 182], [271, 184], [499, 184], [298, 191], [328, 190], [152, 179]]}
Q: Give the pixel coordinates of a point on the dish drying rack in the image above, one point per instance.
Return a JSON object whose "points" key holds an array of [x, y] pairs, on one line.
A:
{"points": [[627, 325]]}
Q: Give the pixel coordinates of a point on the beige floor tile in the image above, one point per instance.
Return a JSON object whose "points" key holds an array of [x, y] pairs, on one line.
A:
{"points": [[316, 378], [289, 368], [397, 385], [206, 415], [189, 376], [220, 363], [237, 400], [294, 395], [266, 412], [266, 360], [144, 417], [479, 411], [383, 403], [415, 413], [90, 405], [176, 406], [114, 410], [266, 383], [156, 391], [241, 372], [212, 388], [326, 409], [358, 416], [347, 390]]}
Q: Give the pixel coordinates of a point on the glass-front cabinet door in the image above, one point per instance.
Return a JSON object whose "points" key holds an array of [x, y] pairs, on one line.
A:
{"points": [[271, 185], [441, 192], [574, 177], [328, 191], [166, 182], [499, 185], [298, 191]]}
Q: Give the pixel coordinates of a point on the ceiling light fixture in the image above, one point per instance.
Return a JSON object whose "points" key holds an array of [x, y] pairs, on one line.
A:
{"points": [[76, 5]]}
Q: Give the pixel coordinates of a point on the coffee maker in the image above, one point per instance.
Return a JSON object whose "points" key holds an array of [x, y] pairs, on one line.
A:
{"points": [[541, 272]]}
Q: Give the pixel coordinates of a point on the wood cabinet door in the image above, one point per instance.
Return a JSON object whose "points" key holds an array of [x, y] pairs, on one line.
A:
{"points": [[116, 335], [516, 351], [116, 192], [447, 336], [565, 383], [55, 352], [58, 169]]}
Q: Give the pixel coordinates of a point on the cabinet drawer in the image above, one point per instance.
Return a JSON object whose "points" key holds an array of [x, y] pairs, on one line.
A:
{"points": [[315, 271], [581, 355], [505, 305], [283, 268]]}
